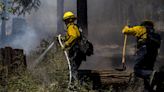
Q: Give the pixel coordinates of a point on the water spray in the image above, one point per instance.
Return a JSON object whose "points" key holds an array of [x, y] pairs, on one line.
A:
{"points": [[44, 53]]}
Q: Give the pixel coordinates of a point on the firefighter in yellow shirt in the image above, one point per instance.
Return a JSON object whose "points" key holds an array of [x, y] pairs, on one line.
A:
{"points": [[72, 30], [71, 42], [148, 43]]}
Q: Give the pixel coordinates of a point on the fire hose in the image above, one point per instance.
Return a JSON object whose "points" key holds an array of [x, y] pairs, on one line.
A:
{"points": [[66, 55], [68, 61]]}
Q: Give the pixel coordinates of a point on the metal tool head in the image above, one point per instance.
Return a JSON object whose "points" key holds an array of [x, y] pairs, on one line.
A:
{"points": [[123, 68]]}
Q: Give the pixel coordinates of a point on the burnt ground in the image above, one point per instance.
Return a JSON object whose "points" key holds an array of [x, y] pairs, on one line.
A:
{"points": [[109, 56]]}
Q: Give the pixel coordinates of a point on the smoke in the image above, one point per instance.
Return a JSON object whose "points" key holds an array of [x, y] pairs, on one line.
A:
{"points": [[44, 21], [106, 19], [41, 24], [28, 40], [26, 32]]}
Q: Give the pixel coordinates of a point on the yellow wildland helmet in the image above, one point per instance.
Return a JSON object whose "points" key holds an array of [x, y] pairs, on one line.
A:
{"points": [[68, 15]]}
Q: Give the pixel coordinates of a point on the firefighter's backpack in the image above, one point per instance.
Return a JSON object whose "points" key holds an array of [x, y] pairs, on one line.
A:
{"points": [[85, 45]]}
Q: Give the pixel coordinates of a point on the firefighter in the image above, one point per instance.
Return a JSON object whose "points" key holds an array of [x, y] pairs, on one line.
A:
{"points": [[148, 43], [72, 30], [71, 42]]}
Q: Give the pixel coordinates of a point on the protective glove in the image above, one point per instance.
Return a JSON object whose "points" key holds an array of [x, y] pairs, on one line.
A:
{"points": [[65, 46], [125, 29], [62, 38]]}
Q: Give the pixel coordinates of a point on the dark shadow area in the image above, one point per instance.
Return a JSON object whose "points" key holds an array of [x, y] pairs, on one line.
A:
{"points": [[117, 61], [105, 79], [88, 76]]}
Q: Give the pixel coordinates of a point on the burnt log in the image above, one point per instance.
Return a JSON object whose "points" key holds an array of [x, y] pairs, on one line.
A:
{"points": [[105, 78], [12, 61]]}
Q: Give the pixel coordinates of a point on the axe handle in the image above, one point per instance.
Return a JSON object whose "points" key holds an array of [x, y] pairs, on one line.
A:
{"points": [[124, 49]]}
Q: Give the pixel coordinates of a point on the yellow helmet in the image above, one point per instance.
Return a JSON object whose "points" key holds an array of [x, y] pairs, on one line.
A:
{"points": [[68, 15]]}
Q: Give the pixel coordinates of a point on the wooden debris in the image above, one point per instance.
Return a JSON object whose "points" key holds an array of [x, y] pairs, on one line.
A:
{"points": [[106, 77], [11, 61]]}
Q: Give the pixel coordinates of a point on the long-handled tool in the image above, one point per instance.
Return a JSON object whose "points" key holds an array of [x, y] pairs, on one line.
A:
{"points": [[123, 55], [66, 55]]}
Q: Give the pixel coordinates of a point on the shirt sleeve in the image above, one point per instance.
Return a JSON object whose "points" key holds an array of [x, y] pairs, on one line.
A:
{"points": [[135, 31]]}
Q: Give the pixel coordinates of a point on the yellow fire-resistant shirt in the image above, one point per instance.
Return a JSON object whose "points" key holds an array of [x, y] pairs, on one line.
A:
{"points": [[137, 31], [72, 34]]}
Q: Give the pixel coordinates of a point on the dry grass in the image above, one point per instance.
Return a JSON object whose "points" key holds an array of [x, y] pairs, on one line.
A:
{"points": [[50, 75]]}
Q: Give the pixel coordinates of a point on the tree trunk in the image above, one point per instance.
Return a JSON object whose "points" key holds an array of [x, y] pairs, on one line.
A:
{"points": [[82, 15]]}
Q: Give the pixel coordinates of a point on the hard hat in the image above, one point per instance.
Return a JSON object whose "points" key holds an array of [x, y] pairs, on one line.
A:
{"points": [[147, 23], [68, 15]]}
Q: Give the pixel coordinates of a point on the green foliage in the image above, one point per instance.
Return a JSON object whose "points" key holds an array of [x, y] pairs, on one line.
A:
{"points": [[21, 6]]}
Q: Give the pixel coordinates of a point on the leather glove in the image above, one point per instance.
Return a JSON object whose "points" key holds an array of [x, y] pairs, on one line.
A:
{"points": [[62, 38], [64, 46], [125, 29]]}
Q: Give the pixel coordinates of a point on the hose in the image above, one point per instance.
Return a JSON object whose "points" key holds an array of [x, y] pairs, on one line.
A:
{"points": [[68, 61], [66, 55]]}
